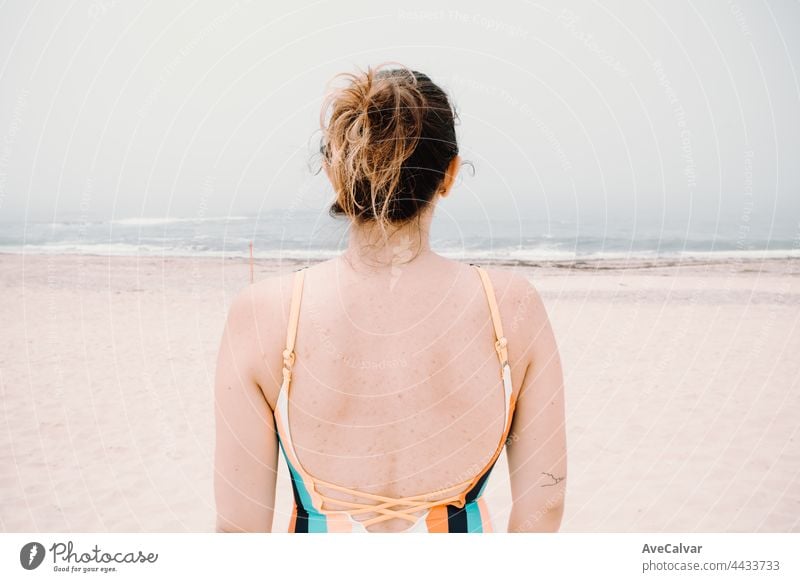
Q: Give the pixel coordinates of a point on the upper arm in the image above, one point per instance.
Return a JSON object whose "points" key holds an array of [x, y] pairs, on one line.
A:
{"points": [[246, 450], [537, 455]]}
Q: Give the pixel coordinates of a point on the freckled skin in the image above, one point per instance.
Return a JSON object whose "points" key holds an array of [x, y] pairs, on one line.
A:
{"points": [[396, 387]]}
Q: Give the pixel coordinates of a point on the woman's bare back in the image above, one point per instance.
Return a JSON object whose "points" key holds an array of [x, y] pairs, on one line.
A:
{"points": [[396, 388]]}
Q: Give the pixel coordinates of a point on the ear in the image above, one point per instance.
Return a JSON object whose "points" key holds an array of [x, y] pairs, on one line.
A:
{"points": [[450, 176]]}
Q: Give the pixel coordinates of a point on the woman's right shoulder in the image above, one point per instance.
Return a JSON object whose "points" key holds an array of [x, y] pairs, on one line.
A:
{"points": [[265, 299]]}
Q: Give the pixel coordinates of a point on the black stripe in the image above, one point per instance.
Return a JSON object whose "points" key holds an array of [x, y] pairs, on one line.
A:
{"points": [[472, 495], [301, 523], [456, 519]]}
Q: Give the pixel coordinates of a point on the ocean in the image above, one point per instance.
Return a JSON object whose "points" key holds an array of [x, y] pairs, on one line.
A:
{"points": [[300, 235]]}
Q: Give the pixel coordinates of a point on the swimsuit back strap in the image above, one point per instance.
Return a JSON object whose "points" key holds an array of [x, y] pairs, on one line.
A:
{"points": [[389, 507], [291, 332], [501, 342]]}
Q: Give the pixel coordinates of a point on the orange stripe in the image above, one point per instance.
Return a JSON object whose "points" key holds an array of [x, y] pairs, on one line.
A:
{"points": [[293, 519], [437, 519]]}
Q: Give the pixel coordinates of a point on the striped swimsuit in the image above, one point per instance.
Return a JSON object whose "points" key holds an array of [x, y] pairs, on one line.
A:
{"points": [[464, 511]]}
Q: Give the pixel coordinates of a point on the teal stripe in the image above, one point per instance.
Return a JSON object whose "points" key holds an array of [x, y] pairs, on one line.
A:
{"points": [[474, 524], [317, 522]]}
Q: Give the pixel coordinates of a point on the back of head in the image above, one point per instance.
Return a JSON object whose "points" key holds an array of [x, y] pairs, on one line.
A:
{"points": [[386, 145]]}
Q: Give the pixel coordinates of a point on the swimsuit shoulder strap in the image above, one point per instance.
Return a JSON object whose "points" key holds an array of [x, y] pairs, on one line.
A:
{"points": [[501, 342], [294, 316]]}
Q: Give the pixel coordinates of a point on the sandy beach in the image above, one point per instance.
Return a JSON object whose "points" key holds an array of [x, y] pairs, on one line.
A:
{"points": [[682, 378]]}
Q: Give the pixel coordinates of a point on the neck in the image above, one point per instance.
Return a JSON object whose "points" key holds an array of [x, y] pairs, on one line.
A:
{"points": [[370, 249]]}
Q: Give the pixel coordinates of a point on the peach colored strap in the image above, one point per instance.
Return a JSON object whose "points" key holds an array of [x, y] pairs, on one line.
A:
{"points": [[414, 502], [291, 332], [501, 342]]}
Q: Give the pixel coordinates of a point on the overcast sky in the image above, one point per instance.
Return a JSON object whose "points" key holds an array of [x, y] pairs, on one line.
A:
{"points": [[625, 112]]}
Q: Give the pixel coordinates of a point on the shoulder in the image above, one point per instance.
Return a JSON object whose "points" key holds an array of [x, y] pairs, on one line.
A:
{"points": [[263, 306], [256, 329], [266, 299], [522, 312], [256, 318], [517, 297]]}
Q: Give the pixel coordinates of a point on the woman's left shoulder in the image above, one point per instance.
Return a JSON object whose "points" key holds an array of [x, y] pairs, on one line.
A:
{"points": [[513, 287], [522, 312]]}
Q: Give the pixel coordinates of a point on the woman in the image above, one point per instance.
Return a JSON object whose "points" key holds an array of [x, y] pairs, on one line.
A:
{"points": [[403, 373]]}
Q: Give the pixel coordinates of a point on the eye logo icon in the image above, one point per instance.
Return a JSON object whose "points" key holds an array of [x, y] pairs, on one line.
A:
{"points": [[31, 555]]}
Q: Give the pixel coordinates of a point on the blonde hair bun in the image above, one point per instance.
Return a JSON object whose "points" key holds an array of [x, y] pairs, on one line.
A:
{"points": [[388, 138]]}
